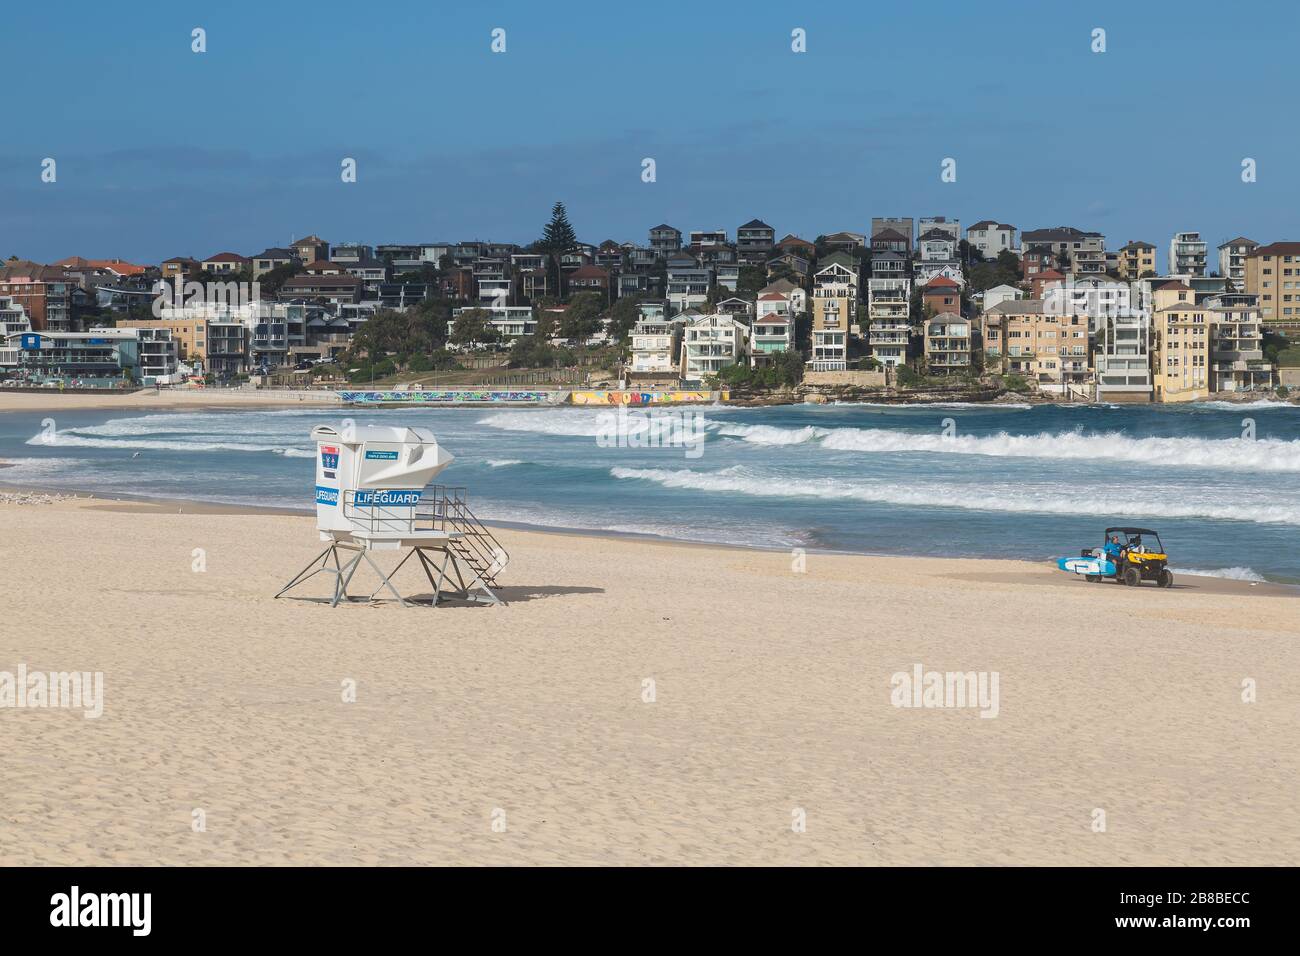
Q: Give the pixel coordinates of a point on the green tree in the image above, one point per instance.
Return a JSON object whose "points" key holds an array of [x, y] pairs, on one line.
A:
{"points": [[582, 318], [752, 278], [270, 283], [472, 327], [558, 236], [531, 351], [623, 317]]}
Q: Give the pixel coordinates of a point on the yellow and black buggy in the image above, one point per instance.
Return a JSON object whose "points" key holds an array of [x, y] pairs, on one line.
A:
{"points": [[1135, 555], [1141, 558]]}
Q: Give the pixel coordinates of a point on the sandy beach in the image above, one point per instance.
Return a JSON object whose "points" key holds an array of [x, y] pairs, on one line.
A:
{"points": [[50, 400], [524, 733]]}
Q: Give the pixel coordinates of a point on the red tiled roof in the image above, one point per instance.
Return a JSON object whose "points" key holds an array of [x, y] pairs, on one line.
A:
{"points": [[942, 282]]}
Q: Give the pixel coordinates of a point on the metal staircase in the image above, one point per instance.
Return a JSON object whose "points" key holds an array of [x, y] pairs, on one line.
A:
{"points": [[477, 549]]}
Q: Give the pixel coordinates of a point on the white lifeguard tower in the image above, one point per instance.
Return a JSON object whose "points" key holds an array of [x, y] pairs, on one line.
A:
{"points": [[373, 494]]}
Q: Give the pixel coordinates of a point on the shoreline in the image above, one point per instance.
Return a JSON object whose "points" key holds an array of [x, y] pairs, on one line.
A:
{"points": [[37, 400], [144, 504]]}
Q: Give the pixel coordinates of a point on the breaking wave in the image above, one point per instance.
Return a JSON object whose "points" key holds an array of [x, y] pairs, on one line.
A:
{"points": [[70, 439], [1236, 454], [737, 480]]}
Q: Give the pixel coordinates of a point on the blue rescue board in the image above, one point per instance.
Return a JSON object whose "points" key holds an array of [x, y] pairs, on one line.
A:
{"points": [[1082, 565]]}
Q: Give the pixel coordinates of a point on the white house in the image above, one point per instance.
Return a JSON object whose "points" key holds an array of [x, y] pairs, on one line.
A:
{"points": [[989, 238], [656, 345], [710, 343], [771, 333], [1001, 293], [688, 283]]}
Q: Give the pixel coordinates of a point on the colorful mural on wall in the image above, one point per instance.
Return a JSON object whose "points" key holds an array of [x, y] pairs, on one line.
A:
{"points": [[614, 397], [454, 396]]}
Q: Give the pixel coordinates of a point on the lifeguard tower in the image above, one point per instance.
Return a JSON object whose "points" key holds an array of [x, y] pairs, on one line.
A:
{"points": [[373, 495]]}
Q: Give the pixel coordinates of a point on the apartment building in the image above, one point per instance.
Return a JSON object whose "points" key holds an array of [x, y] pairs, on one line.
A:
{"points": [[1181, 345], [310, 249], [950, 227], [1090, 262], [1232, 261], [688, 282], [1237, 362], [889, 291], [989, 238], [1051, 350], [770, 334], [665, 241], [1122, 357], [656, 345], [901, 225], [271, 330], [336, 289], [1035, 260], [754, 242], [834, 307], [1272, 274], [351, 253], [706, 239], [43, 292], [1136, 259], [1187, 254], [710, 343], [13, 322], [1064, 241], [99, 356], [510, 321], [947, 344], [1091, 296]]}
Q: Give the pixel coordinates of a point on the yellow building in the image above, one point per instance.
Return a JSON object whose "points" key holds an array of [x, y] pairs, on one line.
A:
{"points": [[190, 335], [834, 308], [1273, 274], [1136, 260], [1042, 347], [1181, 353]]}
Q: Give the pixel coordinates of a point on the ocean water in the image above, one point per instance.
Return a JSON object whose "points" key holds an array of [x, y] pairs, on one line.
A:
{"points": [[1221, 483]]}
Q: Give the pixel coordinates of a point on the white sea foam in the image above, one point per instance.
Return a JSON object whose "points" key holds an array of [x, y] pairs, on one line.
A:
{"points": [[1257, 403], [1232, 574], [503, 462], [1151, 504], [575, 423], [1236, 454], [982, 406], [70, 439]]}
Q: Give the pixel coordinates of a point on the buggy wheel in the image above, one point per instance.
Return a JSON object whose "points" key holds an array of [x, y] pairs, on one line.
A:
{"points": [[1132, 576], [1092, 578], [1166, 578]]}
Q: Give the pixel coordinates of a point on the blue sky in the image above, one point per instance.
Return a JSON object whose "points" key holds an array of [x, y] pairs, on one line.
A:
{"points": [[162, 151]]}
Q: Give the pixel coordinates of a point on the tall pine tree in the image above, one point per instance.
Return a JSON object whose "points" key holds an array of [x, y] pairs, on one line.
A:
{"points": [[558, 237]]}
